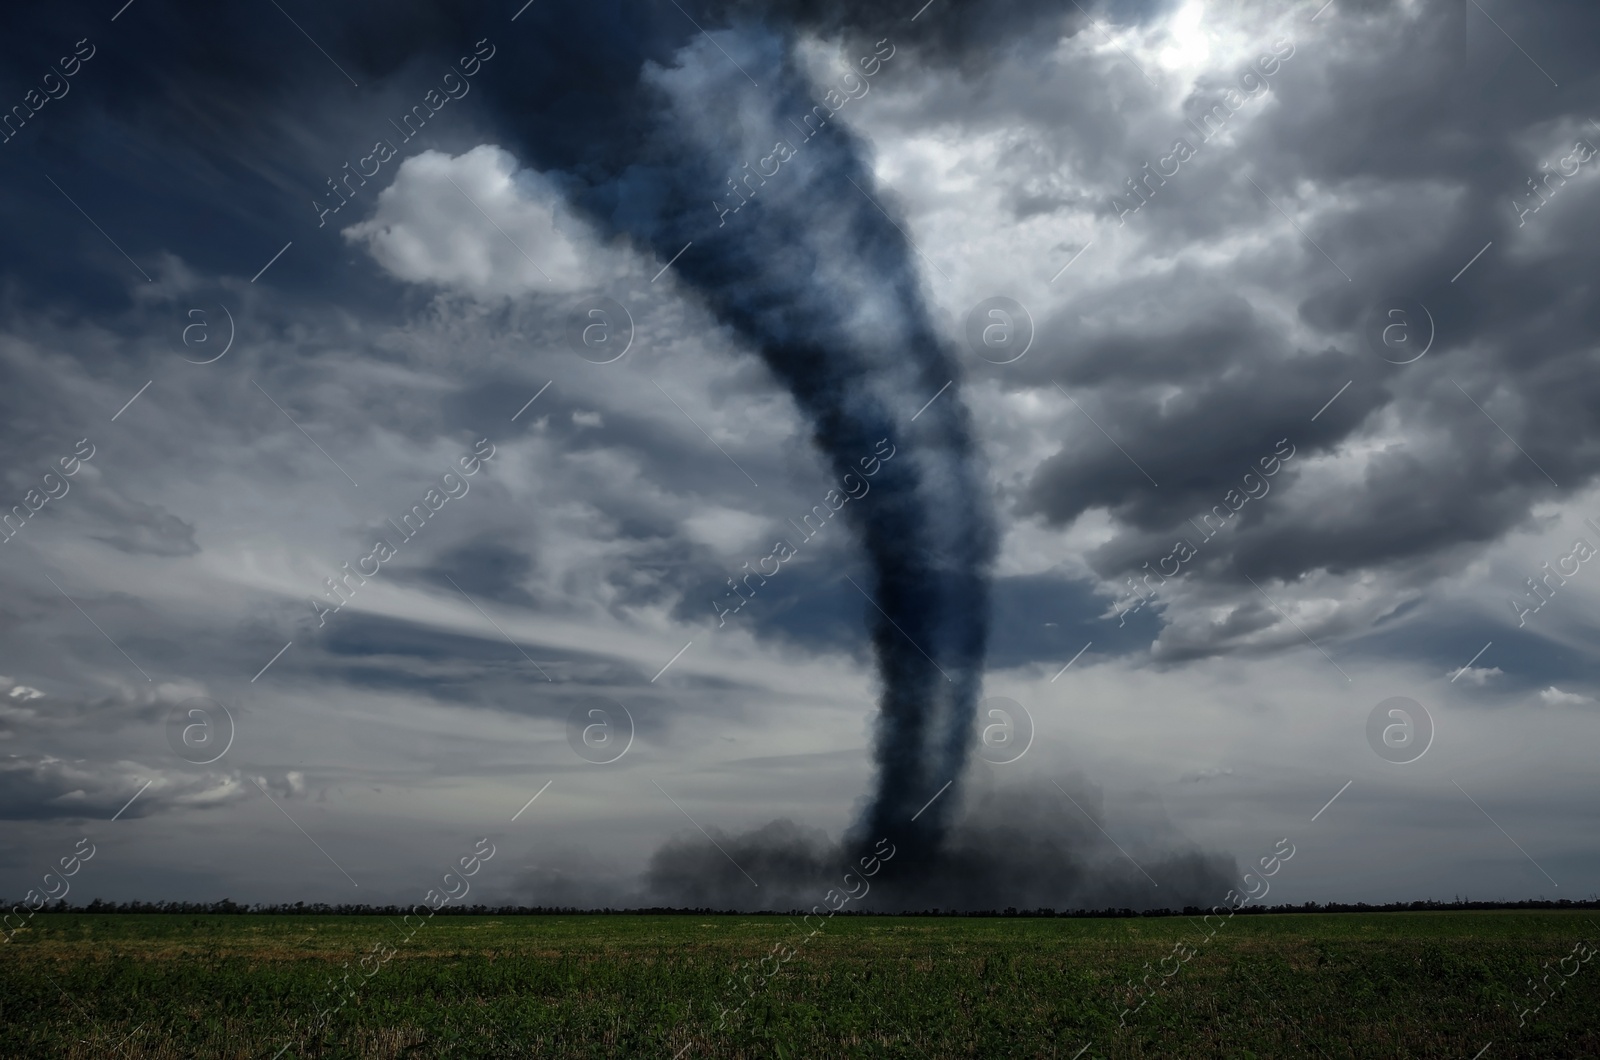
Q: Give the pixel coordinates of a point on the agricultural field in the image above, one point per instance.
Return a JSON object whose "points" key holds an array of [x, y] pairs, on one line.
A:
{"points": [[1436, 984]]}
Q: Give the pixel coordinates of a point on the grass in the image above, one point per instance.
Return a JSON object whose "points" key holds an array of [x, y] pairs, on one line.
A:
{"points": [[1438, 984]]}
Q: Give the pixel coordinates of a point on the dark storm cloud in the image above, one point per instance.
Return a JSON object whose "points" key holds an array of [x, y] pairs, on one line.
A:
{"points": [[1408, 109], [42, 788], [1419, 154], [199, 136], [58, 710]]}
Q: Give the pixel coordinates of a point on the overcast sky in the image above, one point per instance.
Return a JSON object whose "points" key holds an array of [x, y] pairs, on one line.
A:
{"points": [[1353, 311]]}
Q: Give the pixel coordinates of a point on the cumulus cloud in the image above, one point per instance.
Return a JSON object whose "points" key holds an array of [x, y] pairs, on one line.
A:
{"points": [[479, 224], [1555, 697], [24, 693], [290, 786]]}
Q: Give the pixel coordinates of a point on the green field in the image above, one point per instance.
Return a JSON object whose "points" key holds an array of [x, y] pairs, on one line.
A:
{"points": [[1441, 984]]}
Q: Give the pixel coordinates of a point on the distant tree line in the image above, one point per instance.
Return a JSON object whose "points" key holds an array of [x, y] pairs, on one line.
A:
{"points": [[228, 906]]}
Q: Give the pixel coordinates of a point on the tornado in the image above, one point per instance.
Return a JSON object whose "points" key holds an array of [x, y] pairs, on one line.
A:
{"points": [[725, 158], [815, 273]]}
